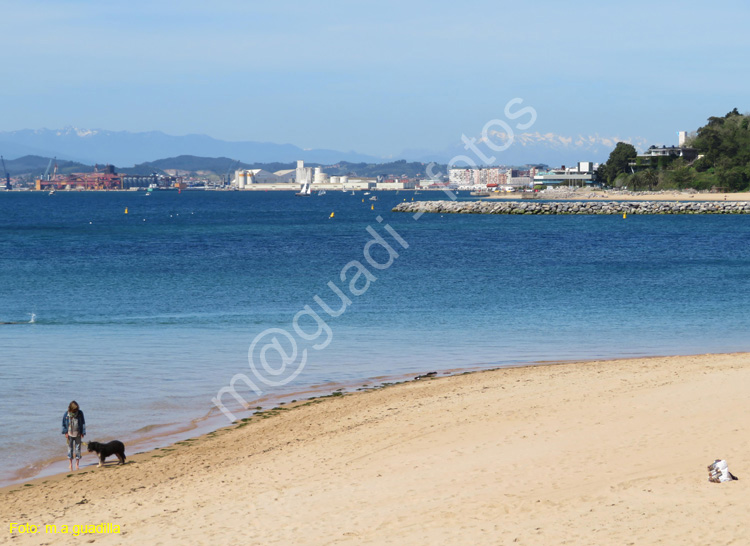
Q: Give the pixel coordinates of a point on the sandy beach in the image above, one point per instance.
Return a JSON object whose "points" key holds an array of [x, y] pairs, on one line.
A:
{"points": [[605, 452], [583, 194]]}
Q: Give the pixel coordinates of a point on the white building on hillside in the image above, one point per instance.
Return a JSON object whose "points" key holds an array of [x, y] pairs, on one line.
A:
{"points": [[581, 174]]}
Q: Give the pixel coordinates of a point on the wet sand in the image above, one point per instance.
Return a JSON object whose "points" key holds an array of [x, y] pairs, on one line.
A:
{"points": [[606, 452]]}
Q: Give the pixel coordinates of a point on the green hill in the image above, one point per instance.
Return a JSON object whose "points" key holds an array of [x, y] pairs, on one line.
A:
{"points": [[31, 167], [723, 161], [34, 166]]}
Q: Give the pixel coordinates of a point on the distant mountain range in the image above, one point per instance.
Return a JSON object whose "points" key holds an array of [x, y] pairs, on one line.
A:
{"points": [[531, 148], [125, 149], [31, 167]]}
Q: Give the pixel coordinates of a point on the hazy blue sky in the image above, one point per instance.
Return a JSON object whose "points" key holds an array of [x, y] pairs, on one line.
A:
{"points": [[372, 76]]}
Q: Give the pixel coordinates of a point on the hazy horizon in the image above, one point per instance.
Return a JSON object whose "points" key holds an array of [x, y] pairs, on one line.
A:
{"points": [[379, 78]]}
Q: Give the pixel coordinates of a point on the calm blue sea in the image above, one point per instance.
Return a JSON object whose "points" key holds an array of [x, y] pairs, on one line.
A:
{"points": [[143, 317]]}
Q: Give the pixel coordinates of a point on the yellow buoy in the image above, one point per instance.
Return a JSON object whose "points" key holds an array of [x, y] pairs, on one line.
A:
{"points": [[363, 200], [126, 210], [624, 215], [331, 216], [372, 207]]}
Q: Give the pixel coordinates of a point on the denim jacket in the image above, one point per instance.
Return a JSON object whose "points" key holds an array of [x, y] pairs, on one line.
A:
{"points": [[81, 423]]}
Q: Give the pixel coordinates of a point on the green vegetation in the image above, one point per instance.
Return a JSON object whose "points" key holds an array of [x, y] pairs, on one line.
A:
{"points": [[397, 168], [31, 167], [725, 145], [722, 162], [617, 163], [34, 166]]}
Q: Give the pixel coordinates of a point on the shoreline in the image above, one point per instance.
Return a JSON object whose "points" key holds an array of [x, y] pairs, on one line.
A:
{"points": [[214, 421], [573, 194], [618, 195], [592, 452], [211, 422]]}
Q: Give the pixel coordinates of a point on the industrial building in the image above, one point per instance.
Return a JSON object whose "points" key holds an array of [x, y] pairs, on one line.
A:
{"points": [[287, 176], [292, 179], [393, 183], [247, 177], [105, 179]]}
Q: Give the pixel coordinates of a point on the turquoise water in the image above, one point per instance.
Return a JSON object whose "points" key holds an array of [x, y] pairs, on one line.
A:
{"points": [[143, 317]]}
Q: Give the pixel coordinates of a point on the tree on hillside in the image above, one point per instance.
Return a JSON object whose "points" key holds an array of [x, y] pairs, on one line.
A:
{"points": [[724, 143], [618, 161], [682, 176]]}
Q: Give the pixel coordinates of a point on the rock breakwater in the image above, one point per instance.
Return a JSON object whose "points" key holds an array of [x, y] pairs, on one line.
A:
{"points": [[575, 207]]}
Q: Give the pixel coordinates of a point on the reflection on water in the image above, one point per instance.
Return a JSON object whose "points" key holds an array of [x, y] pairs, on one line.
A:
{"points": [[143, 322]]}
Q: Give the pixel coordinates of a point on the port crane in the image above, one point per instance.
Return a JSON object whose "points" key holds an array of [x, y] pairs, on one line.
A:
{"points": [[46, 172], [228, 177], [8, 185]]}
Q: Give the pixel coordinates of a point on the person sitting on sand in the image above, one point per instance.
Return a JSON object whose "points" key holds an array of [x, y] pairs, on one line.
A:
{"points": [[74, 429]]}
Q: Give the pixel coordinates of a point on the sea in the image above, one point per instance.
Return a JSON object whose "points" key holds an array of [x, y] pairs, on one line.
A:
{"points": [[143, 308]]}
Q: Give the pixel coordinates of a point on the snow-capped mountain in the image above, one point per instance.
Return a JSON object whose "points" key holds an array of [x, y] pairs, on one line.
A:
{"points": [[532, 147], [123, 148]]}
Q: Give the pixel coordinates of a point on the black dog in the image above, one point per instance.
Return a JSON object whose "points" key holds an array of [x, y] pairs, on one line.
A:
{"points": [[115, 447]]}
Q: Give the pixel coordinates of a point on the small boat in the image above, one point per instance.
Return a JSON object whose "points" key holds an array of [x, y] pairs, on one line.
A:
{"points": [[321, 192], [374, 198], [52, 191], [305, 191], [32, 321], [367, 193]]}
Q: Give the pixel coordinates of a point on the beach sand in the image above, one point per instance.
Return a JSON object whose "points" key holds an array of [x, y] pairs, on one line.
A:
{"points": [[606, 452], [586, 194]]}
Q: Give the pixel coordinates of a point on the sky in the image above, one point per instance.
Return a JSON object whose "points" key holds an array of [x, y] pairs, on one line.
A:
{"points": [[376, 77]]}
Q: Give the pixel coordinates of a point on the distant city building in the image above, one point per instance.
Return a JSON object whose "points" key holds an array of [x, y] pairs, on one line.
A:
{"points": [[583, 173], [392, 184], [148, 181], [517, 178], [477, 177]]}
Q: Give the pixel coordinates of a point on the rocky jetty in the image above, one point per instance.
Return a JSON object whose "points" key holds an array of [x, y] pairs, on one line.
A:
{"points": [[575, 207]]}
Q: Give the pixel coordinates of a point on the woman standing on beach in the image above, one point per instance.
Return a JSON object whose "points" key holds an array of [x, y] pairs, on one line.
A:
{"points": [[74, 428]]}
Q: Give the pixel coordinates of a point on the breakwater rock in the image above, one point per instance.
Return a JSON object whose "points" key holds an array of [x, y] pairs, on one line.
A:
{"points": [[575, 207]]}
